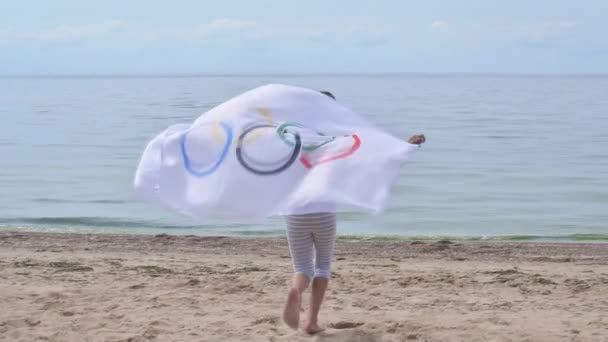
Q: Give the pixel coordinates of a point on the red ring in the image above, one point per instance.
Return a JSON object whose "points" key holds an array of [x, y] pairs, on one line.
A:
{"points": [[306, 162]]}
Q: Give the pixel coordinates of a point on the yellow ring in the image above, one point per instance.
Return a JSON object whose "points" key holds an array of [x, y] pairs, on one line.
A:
{"points": [[220, 136]]}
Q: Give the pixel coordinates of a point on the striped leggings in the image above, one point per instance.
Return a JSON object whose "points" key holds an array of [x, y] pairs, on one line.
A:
{"points": [[308, 232]]}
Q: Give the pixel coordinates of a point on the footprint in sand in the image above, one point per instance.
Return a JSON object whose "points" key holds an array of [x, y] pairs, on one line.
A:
{"points": [[349, 336], [137, 286], [345, 325], [268, 319], [192, 282]]}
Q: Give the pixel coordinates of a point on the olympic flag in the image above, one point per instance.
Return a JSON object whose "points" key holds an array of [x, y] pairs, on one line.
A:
{"points": [[273, 150]]}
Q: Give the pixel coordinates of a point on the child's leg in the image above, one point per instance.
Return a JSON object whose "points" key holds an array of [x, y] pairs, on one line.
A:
{"points": [[299, 237], [324, 238]]}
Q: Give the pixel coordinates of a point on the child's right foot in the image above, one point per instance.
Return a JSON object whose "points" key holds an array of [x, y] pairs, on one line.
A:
{"points": [[291, 313], [313, 329]]}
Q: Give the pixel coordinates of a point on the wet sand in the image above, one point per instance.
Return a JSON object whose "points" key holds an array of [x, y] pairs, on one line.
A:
{"points": [[86, 287]]}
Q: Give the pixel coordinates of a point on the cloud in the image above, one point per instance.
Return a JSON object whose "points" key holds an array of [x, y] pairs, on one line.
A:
{"points": [[120, 30], [354, 35], [227, 24], [546, 33], [224, 28], [224, 25], [361, 29], [566, 24], [438, 25], [65, 32], [82, 32]]}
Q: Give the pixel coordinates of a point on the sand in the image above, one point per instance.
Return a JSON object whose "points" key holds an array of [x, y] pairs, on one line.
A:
{"points": [[77, 287]]}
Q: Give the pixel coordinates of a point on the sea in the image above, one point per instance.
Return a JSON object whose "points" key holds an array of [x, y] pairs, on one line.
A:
{"points": [[508, 156]]}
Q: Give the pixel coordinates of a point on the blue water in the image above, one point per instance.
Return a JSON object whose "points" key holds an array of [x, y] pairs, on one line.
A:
{"points": [[505, 154]]}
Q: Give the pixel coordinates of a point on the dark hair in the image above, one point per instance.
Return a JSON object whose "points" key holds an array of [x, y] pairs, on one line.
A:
{"points": [[328, 94]]}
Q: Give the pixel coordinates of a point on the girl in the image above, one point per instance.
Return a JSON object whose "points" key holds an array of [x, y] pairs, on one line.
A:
{"points": [[311, 239]]}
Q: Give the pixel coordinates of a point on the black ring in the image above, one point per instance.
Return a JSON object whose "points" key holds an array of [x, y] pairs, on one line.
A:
{"points": [[291, 160]]}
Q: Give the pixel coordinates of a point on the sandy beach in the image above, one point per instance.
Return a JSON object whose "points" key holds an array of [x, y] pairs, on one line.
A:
{"points": [[77, 287]]}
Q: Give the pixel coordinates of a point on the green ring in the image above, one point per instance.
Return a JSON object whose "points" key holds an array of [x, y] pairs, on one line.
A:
{"points": [[310, 147]]}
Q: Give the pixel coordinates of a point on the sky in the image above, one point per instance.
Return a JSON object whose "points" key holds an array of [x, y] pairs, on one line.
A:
{"points": [[289, 36]]}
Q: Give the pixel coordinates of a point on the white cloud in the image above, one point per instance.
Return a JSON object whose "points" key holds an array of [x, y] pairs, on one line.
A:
{"points": [[116, 30], [120, 30], [224, 25], [65, 32], [353, 34], [547, 31], [81, 32], [566, 24], [438, 25], [362, 29], [364, 35]]}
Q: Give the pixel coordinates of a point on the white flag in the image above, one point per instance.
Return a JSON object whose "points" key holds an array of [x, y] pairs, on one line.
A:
{"points": [[274, 150]]}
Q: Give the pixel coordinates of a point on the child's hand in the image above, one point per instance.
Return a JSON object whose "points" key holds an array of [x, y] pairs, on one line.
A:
{"points": [[417, 139]]}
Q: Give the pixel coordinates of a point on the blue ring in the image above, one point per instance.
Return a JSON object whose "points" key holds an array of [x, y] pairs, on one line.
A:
{"points": [[212, 168]]}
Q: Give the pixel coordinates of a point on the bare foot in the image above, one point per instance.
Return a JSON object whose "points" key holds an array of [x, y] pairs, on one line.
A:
{"points": [[291, 313], [313, 329]]}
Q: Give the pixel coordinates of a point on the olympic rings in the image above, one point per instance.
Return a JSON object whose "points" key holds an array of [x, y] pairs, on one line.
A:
{"points": [[191, 166], [306, 147], [252, 133], [287, 162]]}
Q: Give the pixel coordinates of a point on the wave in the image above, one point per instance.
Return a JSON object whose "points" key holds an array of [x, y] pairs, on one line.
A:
{"points": [[100, 222], [523, 238], [126, 225], [123, 225], [97, 201]]}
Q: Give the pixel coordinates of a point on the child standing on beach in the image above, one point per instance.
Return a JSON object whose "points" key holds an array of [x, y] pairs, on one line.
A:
{"points": [[311, 239]]}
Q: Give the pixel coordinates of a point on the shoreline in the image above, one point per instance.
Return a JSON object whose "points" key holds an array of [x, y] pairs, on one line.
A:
{"points": [[24, 238], [594, 238], [71, 287]]}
